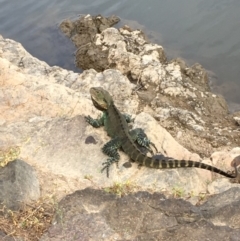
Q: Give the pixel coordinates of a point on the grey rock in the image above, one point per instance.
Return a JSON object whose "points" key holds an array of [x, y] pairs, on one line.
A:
{"points": [[223, 209], [97, 215], [18, 184], [237, 119], [5, 237], [82, 32]]}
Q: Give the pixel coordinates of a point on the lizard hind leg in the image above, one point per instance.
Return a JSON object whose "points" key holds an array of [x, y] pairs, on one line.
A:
{"points": [[142, 140], [111, 149]]}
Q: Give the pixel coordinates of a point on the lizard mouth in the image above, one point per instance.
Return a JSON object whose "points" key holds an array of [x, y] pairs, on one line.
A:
{"points": [[101, 106]]}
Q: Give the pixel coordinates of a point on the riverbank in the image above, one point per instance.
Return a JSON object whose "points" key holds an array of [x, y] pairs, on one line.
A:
{"points": [[43, 111]]}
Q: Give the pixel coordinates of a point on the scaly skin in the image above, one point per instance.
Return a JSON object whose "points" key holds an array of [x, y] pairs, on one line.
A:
{"points": [[117, 128]]}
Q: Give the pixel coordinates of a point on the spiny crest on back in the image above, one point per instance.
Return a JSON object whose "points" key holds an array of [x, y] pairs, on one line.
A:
{"points": [[101, 98]]}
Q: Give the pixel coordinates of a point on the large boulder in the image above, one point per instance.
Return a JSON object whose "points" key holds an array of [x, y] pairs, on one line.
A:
{"points": [[96, 215], [18, 185]]}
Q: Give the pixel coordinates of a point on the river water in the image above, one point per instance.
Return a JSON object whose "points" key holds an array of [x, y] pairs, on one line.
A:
{"points": [[204, 31]]}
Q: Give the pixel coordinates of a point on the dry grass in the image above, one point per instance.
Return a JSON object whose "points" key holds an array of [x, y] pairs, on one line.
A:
{"points": [[31, 221], [121, 189]]}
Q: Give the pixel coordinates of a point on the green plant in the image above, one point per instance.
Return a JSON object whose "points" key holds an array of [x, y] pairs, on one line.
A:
{"points": [[178, 192], [88, 177], [121, 189], [9, 155]]}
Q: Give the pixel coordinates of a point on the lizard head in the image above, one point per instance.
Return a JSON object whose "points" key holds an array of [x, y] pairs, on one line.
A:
{"points": [[100, 98]]}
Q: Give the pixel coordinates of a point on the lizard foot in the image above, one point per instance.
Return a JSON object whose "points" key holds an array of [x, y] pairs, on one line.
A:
{"points": [[107, 164], [94, 122], [142, 140]]}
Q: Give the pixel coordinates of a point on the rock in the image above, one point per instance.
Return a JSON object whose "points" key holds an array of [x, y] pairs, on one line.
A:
{"points": [[97, 215], [18, 184], [219, 186], [82, 32], [43, 109], [187, 118], [172, 89], [222, 209], [5, 237], [237, 119], [236, 161], [220, 157], [92, 56]]}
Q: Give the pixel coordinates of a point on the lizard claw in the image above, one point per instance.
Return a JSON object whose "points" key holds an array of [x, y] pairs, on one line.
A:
{"points": [[107, 164], [88, 119]]}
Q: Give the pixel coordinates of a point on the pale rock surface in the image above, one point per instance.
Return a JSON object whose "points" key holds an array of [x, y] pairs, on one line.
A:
{"points": [[237, 119], [220, 185], [179, 93], [43, 111]]}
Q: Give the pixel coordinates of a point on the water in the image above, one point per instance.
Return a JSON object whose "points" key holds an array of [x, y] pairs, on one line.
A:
{"points": [[204, 31]]}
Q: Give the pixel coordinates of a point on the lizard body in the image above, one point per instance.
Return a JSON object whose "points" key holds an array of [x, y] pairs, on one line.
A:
{"points": [[117, 128]]}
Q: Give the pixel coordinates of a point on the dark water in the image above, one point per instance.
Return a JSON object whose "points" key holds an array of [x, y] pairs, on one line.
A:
{"points": [[204, 31]]}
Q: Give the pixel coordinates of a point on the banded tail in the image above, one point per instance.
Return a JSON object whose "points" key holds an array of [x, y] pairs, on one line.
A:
{"points": [[163, 162]]}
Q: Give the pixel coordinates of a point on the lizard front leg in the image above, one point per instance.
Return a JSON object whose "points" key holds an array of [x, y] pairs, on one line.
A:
{"points": [[110, 149], [96, 122]]}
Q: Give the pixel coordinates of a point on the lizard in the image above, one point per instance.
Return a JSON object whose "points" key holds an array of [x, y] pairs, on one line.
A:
{"points": [[116, 126]]}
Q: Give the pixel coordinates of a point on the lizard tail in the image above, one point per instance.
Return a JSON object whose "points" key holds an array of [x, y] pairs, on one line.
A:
{"points": [[173, 163]]}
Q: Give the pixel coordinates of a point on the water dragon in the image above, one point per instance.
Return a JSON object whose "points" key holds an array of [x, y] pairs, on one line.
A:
{"points": [[116, 126]]}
